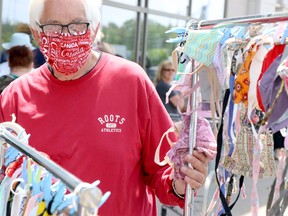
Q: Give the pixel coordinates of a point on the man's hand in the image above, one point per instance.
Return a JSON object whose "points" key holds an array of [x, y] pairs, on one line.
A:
{"points": [[196, 175]]}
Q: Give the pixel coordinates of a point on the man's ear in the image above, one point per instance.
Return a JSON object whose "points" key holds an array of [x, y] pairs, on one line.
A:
{"points": [[95, 32], [36, 36]]}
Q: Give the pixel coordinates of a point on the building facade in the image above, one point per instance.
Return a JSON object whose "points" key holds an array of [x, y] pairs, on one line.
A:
{"points": [[135, 29]]}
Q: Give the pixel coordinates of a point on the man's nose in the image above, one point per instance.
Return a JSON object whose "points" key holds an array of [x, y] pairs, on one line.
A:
{"points": [[65, 30]]}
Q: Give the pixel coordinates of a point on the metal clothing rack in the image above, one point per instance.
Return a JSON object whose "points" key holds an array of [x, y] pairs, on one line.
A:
{"points": [[83, 190], [260, 18], [67, 178], [207, 24]]}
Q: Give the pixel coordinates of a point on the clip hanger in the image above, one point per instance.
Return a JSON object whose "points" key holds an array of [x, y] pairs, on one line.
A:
{"points": [[181, 34], [58, 197]]}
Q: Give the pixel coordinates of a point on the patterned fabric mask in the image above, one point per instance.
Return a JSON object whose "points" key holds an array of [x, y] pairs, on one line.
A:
{"points": [[201, 45], [242, 81], [242, 158], [66, 53], [205, 143]]}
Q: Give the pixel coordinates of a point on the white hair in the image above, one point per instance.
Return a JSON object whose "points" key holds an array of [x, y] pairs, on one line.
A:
{"points": [[91, 8], [35, 10], [92, 11]]}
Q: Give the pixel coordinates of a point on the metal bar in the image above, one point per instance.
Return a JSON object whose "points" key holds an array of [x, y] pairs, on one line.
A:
{"points": [[144, 39], [225, 8], [189, 9], [262, 18], [67, 178], [138, 35], [189, 195], [1, 20]]}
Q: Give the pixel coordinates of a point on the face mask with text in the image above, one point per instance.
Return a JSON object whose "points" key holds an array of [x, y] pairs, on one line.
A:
{"points": [[66, 53]]}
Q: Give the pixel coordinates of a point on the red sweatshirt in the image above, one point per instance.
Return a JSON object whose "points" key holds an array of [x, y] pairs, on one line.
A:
{"points": [[103, 126]]}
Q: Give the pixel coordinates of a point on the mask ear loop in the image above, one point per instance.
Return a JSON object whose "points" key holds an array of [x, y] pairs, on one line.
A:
{"points": [[14, 183]]}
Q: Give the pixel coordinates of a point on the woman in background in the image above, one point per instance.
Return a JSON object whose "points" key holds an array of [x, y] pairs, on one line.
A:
{"points": [[164, 76]]}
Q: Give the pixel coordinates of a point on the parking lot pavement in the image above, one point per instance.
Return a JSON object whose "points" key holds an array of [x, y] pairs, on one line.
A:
{"points": [[241, 208]]}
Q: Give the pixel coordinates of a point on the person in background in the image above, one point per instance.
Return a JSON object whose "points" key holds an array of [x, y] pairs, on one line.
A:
{"points": [[164, 76], [17, 39], [100, 45], [38, 56], [20, 61], [95, 114]]}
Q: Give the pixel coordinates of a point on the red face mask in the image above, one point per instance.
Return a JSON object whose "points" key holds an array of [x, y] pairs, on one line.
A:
{"points": [[66, 53]]}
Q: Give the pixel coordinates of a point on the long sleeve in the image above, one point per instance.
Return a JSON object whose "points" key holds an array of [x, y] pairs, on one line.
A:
{"points": [[158, 177]]}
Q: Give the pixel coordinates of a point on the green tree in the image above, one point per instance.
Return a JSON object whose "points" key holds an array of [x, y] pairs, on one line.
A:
{"points": [[7, 31], [112, 33], [157, 47]]}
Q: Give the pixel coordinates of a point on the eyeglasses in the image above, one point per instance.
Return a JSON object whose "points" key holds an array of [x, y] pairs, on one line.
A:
{"points": [[168, 69], [55, 30]]}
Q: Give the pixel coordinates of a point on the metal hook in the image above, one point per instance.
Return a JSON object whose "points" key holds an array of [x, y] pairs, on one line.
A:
{"points": [[199, 24]]}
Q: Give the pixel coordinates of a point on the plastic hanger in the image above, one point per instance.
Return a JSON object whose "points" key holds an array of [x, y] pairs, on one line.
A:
{"points": [[58, 197], [36, 173], [181, 34], [11, 155]]}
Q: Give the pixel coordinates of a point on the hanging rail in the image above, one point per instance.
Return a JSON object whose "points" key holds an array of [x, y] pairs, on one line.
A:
{"points": [[261, 18], [67, 178], [189, 195]]}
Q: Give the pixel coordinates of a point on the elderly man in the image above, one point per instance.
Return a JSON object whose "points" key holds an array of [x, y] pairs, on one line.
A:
{"points": [[95, 114]]}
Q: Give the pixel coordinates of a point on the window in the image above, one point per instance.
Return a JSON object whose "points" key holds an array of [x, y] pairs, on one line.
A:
{"points": [[157, 48], [138, 34], [207, 9], [130, 29], [14, 11], [169, 6], [129, 2], [120, 30]]}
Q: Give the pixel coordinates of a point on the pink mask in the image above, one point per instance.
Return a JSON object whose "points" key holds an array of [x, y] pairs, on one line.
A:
{"points": [[66, 53]]}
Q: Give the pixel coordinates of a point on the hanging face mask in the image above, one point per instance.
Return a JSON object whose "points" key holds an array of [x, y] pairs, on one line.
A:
{"points": [[66, 53]]}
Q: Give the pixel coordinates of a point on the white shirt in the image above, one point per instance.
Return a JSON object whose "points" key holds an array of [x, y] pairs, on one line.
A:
{"points": [[4, 69]]}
